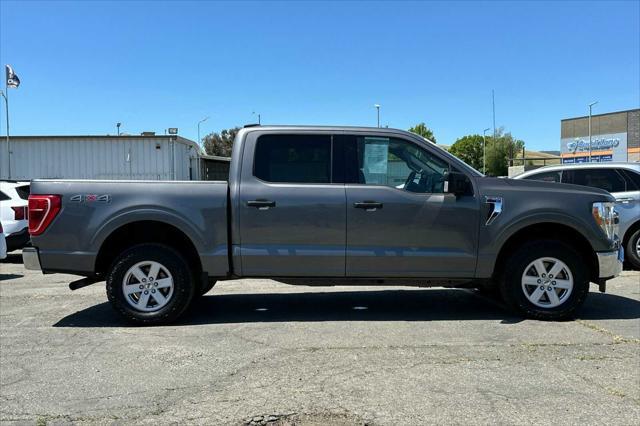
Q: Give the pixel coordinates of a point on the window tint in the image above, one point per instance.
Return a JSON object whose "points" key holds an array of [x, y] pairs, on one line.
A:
{"points": [[23, 191], [399, 164], [632, 178], [546, 177], [3, 196], [293, 158], [607, 179]]}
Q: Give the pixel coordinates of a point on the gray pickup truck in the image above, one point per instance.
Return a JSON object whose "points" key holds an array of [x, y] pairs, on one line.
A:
{"points": [[328, 206]]}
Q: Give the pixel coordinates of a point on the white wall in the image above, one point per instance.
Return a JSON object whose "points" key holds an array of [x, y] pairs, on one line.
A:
{"points": [[137, 158]]}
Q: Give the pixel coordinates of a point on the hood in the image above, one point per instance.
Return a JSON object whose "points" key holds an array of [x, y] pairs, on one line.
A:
{"points": [[489, 184]]}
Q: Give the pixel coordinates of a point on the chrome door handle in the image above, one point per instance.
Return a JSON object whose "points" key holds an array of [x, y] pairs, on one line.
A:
{"points": [[261, 204], [625, 200], [368, 205]]}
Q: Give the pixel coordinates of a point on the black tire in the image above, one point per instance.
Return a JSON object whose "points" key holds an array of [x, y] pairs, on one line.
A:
{"points": [[511, 282], [207, 287], [631, 250], [183, 283]]}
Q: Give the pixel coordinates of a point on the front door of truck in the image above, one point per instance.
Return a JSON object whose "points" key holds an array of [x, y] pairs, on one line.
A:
{"points": [[400, 222], [292, 216]]}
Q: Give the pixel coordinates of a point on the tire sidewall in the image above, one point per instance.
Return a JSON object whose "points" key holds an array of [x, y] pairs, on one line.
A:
{"points": [[511, 286], [630, 249], [183, 287]]}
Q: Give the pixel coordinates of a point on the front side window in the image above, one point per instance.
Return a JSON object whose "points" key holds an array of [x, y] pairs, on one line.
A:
{"points": [[607, 179], [399, 164], [546, 177], [293, 158]]}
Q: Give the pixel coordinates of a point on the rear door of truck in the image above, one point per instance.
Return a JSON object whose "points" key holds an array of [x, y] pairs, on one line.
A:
{"points": [[291, 214]]}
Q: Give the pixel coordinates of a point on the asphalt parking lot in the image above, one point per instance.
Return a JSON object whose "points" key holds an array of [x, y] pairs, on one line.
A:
{"points": [[259, 351]]}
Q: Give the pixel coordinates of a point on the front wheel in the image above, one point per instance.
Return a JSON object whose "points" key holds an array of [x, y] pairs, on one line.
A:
{"points": [[546, 280], [150, 284]]}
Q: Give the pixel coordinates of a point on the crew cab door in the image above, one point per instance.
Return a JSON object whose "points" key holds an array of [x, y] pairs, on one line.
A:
{"points": [[400, 222], [292, 216]]}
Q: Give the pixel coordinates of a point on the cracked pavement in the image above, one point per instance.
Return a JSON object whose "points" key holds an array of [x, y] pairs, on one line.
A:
{"points": [[252, 349]]}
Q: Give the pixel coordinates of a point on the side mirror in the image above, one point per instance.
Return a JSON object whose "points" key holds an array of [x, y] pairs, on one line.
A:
{"points": [[457, 183]]}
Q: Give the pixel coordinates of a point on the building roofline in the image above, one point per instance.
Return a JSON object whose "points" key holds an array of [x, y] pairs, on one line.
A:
{"points": [[94, 136], [600, 115]]}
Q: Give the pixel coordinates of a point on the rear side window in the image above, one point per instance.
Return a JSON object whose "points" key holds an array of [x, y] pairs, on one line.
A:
{"points": [[23, 191], [293, 158], [3, 196], [546, 177], [632, 178], [607, 179]]}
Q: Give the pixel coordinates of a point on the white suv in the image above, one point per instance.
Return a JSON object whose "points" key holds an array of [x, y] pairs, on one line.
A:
{"points": [[14, 198], [622, 180]]}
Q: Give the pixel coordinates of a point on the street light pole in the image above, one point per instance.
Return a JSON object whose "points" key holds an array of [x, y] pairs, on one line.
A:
{"points": [[484, 150], [590, 106], [258, 114], [199, 122], [377, 106], [118, 128]]}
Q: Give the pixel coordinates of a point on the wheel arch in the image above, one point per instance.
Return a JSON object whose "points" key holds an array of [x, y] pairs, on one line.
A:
{"points": [[145, 231], [548, 230]]}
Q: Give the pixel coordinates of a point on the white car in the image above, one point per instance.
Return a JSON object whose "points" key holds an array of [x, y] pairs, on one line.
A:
{"points": [[14, 198], [3, 244], [622, 180]]}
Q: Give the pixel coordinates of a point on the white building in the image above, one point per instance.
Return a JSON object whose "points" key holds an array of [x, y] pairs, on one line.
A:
{"points": [[145, 157]]}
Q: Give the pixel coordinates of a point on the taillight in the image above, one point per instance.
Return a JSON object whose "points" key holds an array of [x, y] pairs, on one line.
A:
{"points": [[19, 213], [42, 210]]}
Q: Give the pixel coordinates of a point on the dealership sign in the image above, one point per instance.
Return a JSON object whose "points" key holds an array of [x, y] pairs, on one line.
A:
{"points": [[579, 144]]}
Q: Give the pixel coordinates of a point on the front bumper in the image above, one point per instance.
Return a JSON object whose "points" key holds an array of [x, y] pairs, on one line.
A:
{"points": [[31, 259], [610, 263]]}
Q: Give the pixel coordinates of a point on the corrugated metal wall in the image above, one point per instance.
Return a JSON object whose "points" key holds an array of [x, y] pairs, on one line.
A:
{"points": [[137, 158]]}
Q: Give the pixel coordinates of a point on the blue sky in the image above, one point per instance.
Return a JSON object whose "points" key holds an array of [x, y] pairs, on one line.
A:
{"points": [[85, 66]]}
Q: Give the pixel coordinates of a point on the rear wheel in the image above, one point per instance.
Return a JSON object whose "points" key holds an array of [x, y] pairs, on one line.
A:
{"points": [[150, 284], [545, 280], [633, 249]]}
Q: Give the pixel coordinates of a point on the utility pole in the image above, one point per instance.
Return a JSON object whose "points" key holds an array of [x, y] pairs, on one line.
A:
{"points": [[258, 114], [484, 150], [590, 106], [377, 106], [199, 122]]}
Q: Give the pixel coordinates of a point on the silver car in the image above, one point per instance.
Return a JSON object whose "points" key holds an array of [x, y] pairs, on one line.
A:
{"points": [[622, 180]]}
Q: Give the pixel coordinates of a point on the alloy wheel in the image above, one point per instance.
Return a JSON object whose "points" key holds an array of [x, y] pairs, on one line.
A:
{"points": [[547, 282], [147, 286]]}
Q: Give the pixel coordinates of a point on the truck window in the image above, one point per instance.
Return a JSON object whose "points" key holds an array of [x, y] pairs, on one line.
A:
{"points": [[399, 164], [293, 158], [607, 179], [546, 177]]}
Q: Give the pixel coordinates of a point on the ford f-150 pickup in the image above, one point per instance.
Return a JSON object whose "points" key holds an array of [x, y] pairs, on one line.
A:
{"points": [[328, 206]]}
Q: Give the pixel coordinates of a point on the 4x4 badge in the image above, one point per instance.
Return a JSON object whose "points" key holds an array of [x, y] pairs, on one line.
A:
{"points": [[90, 198]]}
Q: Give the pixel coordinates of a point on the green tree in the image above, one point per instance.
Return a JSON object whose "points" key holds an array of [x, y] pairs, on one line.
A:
{"points": [[499, 150], [220, 144], [469, 149], [422, 130]]}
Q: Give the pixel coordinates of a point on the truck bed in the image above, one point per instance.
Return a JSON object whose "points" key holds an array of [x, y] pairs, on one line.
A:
{"points": [[92, 210]]}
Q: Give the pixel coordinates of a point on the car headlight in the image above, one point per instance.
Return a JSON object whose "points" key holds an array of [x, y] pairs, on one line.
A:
{"points": [[606, 217]]}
